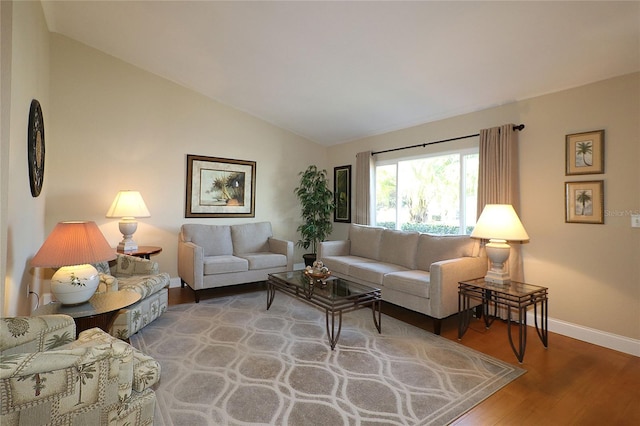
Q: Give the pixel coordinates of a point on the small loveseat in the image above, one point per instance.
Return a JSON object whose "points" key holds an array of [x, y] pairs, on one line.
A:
{"points": [[48, 377], [416, 271], [212, 256], [142, 276]]}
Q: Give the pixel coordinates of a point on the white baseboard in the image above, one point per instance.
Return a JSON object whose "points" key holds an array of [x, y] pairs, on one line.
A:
{"points": [[175, 282], [590, 335]]}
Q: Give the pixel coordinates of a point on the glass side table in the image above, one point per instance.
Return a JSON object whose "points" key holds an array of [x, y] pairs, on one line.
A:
{"points": [[515, 297], [100, 311]]}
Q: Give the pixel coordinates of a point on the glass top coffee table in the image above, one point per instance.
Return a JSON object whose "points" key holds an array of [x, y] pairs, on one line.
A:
{"points": [[334, 295]]}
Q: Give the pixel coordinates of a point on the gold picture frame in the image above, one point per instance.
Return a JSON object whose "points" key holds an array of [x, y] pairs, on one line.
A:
{"points": [[584, 202], [585, 153], [220, 187]]}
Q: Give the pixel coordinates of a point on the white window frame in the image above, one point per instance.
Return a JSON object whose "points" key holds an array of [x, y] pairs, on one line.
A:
{"points": [[462, 184]]}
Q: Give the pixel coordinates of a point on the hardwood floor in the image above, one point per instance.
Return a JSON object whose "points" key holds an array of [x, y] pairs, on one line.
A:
{"points": [[570, 383]]}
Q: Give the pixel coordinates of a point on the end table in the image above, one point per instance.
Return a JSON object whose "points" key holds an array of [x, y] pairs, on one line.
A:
{"points": [[514, 296], [100, 311], [144, 252]]}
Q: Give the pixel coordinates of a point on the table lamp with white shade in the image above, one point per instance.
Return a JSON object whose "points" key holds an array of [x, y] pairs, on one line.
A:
{"points": [[73, 247], [499, 223], [128, 205]]}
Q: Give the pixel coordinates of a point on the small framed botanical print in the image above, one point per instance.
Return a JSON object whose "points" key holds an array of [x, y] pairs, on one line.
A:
{"points": [[585, 153], [584, 202]]}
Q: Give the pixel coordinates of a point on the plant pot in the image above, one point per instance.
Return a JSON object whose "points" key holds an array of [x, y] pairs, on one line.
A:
{"points": [[309, 258]]}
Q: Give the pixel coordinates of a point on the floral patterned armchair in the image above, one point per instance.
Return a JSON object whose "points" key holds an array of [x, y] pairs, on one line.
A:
{"points": [[139, 275], [47, 377]]}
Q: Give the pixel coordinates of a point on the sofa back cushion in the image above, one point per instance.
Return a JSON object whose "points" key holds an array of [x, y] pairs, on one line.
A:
{"points": [[434, 248], [365, 241], [251, 237], [399, 248], [215, 240]]}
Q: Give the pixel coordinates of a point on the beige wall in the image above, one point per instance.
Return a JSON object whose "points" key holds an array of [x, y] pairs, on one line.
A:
{"points": [[592, 271], [23, 222], [118, 127]]}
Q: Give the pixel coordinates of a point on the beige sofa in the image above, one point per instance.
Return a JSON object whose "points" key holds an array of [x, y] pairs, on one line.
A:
{"points": [[416, 271], [212, 256], [48, 377]]}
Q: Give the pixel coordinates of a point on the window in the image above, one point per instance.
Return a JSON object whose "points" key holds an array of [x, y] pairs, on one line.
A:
{"points": [[435, 194]]}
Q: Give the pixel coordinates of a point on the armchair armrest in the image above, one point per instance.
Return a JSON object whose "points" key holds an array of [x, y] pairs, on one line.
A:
{"points": [[282, 247], [445, 276], [334, 248], [191, 264], [34, 334]]}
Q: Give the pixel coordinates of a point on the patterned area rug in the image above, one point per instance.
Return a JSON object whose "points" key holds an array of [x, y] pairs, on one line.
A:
{"points": [[229, 361]]}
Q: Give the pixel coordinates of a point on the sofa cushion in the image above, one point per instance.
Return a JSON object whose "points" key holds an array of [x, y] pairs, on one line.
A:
{"points": [[224, 264], [432, 248], [399, 248], [251, 237], [365, 241], [415, 282], [341, 264], [373, 271], [265, 260], [215, 240]]}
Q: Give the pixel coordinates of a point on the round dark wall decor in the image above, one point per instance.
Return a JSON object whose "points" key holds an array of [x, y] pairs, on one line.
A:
{"points": [[36, 148]]}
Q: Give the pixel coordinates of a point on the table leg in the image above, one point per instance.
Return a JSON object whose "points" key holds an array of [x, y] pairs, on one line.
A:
{"points": [[464, 314], [331, 331], [375, 306], [522, 333], [271, 293], [542, 330]]}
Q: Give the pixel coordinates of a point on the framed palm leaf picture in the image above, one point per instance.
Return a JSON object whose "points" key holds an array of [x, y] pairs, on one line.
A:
{"points": [[584, 202], [220, 187], [585, 153]]}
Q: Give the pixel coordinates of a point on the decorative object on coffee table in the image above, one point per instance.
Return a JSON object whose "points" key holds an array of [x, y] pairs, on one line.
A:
{"points": [[72, 247], [128, 205], [316, 200]]}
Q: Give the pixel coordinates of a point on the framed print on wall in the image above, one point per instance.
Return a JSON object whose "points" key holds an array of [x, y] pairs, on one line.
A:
{"points": [[220, 187], [342, 193], [584, 202], [585, 153]]}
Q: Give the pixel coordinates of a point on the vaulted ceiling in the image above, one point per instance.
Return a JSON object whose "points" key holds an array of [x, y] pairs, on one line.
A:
{"points": [[335, 71]]}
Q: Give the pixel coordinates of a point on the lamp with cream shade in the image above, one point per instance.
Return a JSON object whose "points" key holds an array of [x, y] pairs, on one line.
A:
{"points": [[499, 223], [72, 247], [128, 205]]}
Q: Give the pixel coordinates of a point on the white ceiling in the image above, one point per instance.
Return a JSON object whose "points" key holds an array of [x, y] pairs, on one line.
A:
{"points": [[335, 71]]}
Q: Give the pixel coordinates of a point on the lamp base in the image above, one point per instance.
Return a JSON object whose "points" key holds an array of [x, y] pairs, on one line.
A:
{"points": [[72, 285], [497, 277], [498, 253], [126, 246]]}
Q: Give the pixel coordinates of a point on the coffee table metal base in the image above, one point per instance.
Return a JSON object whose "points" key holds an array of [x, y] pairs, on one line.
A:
{"points": [[333, 308]]}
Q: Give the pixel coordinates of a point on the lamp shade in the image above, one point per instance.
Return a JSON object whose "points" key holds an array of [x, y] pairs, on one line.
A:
{"points": [[73, 243], [128, 204], [499, 222]]}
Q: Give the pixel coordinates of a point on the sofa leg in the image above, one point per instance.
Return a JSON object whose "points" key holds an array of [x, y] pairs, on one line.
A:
{"points": [[437, 326], [195, 292]]}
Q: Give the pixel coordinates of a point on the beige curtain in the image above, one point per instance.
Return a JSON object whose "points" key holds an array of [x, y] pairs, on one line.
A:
{"points": [[364, 171], [498, 181]]}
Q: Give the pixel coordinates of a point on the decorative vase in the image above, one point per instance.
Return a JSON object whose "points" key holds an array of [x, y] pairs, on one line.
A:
{"points": [[72, 285]]}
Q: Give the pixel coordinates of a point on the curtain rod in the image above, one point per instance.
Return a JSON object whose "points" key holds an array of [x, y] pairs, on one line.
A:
{"points": [[518, 127]]}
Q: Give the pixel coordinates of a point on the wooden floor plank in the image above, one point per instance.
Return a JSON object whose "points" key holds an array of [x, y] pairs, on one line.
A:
{"points": [[570, 383]]}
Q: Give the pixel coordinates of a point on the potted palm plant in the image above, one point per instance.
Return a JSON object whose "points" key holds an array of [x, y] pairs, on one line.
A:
{"points": [[317, 205]]}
